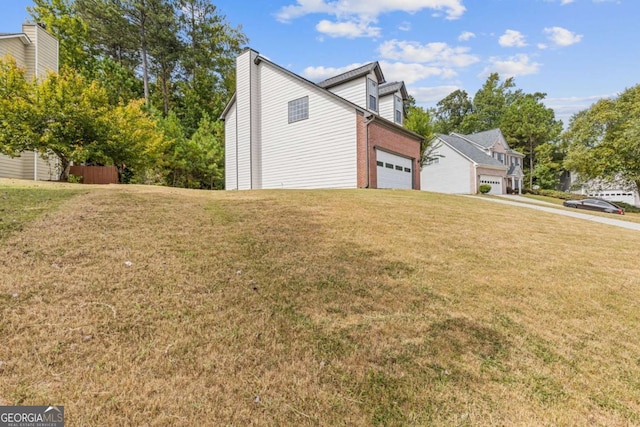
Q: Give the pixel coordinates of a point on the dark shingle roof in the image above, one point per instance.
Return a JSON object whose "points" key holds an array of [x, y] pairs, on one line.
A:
{"points": [[469, 150], [390, 88], [353, 74], [487, 138]]}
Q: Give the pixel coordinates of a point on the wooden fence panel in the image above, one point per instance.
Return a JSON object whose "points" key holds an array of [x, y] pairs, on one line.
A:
{"points": [[96, 174]]}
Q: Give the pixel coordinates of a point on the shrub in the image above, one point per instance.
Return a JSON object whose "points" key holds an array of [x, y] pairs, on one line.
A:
{"points": [[75, 179], [484, 188]]}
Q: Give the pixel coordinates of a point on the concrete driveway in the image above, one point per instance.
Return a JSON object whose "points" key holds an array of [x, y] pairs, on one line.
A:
{"points": [[524, 202]]}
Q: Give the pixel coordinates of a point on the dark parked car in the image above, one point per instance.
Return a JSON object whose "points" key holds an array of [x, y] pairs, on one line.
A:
{"points": [[594, 205]]}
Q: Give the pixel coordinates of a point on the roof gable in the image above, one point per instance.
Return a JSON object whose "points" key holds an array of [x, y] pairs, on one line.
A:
{"points": [[488, 139], [354, 74], [391, 88], [469, 150], [22, 36]]}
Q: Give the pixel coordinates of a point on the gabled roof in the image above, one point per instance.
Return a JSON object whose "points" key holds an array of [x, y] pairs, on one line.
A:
{"points": [[468, 150], [488, 138], [390, 88], [22, 36], [259, 58], [354, 74]]}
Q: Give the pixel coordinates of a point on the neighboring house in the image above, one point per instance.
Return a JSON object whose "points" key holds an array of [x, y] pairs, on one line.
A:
{"points": [[283, 131], [461, 163], [36, 51], [614, 191]]}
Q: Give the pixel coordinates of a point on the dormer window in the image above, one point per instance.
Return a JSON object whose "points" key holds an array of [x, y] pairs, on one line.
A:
{"points": [[372, 87], [397, 104]]}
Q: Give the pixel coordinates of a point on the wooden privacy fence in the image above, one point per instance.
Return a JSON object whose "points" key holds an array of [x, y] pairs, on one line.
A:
{"points": [[96, 174]]}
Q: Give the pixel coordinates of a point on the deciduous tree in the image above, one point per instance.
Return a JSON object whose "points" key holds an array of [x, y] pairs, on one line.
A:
{"points": [[604, 140]]}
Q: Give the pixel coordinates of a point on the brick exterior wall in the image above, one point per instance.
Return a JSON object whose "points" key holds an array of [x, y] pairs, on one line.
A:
{"points": [[384, 137]]}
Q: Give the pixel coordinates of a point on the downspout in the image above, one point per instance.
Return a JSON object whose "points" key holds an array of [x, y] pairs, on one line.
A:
{"points": [[366, 123]]}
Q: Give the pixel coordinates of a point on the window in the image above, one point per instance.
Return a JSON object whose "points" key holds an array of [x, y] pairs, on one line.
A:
{"points": [[388, 165], [299, 109], [398, 168], [372, 88], [407, 169], [379, 163], [397, 102]]}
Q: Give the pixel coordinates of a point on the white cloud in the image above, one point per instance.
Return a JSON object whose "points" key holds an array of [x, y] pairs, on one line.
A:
{"points": [[512, 38], [412, 72], [317, 74], [562, 37], [518, 65], [393, 71], [564, 108], [563, 2], [347, 29], [466, 36], [433, 53], [405, 26], [367, 10], [430, 95], [542, 46]]}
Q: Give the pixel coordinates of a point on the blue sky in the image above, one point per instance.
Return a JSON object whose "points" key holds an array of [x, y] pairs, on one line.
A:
{"points": [[576, 51]]}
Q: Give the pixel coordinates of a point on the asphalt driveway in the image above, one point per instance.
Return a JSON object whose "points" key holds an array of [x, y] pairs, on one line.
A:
{"points": [[524, 202]]}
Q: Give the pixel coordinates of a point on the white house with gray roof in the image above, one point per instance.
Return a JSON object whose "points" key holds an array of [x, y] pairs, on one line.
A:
{"points": [[284, 131], [461, 163]]}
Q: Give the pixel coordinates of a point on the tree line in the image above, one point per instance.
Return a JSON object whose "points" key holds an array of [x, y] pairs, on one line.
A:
{"points": [[140, 86]]}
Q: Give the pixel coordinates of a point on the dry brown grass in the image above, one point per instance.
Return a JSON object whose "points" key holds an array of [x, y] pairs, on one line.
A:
{"points": [[319, 308]]}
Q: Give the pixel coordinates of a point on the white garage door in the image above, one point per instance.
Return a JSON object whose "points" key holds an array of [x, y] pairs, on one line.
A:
{"points": [[394, 171], [494, 181]]}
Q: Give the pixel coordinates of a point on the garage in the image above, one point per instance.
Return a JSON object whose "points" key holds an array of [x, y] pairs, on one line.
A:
{"points": [[394, 171], [494, 181]]}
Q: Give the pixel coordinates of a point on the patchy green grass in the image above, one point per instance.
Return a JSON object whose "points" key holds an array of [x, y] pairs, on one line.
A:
{"points": [[157, 306], [20, 205]]}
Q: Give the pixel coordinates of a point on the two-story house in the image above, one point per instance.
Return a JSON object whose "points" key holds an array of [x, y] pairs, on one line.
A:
{"points": [[284, 131], [36, 51], [461, 163]]}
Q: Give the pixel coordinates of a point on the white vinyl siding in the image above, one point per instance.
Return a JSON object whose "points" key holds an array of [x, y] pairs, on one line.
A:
{"points": [[30, 51], [386, 107], [47, 53], [243, 111], [11, 167], [354, 91], [15, 48], [230, 171], [451, 174], [319, 152]]}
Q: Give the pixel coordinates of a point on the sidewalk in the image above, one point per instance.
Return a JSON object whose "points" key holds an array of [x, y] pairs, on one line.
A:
{"points": [[525, 202]]}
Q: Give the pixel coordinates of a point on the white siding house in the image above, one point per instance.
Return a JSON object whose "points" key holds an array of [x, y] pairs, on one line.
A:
{"points": [[283, 131], [461, 163], [35, 50]]}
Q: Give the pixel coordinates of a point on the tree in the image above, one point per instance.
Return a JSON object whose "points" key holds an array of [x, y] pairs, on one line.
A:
{"points": [[419, 121], [527, 124], [16, 109], [61, 19], [207, 62], [69, 114], [603, 142], [549, 167], [490, 103], [451, 112]]}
